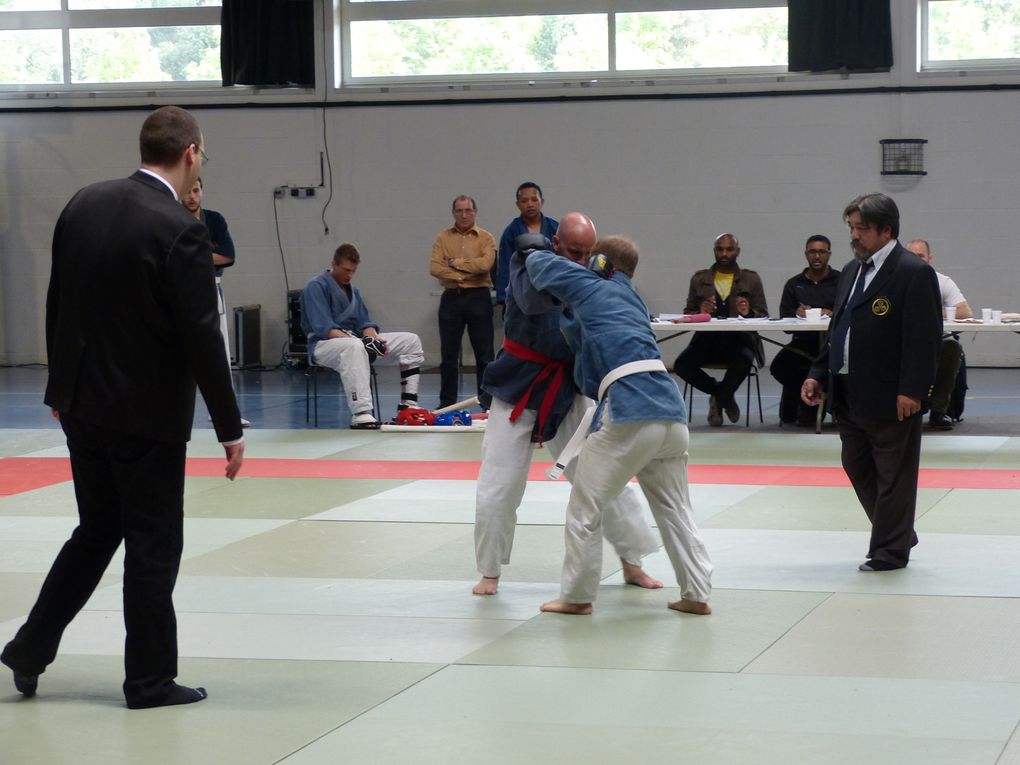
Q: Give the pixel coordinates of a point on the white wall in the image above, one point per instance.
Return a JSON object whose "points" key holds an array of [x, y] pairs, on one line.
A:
{"points": [[672, 174]]}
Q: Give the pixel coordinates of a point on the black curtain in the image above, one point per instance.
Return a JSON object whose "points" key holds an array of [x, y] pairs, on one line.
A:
{"points": [[268, 42], [852, 35]]}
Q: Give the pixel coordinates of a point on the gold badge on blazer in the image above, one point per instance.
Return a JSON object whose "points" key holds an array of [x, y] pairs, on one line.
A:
{"points": [[880, 307]]}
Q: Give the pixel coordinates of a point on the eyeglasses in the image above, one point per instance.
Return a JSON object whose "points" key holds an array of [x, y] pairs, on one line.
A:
{"points": [[205, 157], [817, 252]]}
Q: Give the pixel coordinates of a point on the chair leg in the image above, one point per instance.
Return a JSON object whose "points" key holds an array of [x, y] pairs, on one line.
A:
{"points": [[747, 402], [688, 396], [315, 394], [376, 405], [309, 382], [757, 388]]}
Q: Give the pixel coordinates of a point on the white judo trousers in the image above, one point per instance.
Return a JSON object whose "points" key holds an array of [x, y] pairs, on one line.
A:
{"points": [[506, 460], [347, 356], [656, 452]]}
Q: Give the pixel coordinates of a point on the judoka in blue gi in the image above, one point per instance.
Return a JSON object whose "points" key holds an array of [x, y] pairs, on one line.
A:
{"points": [[534, 401], [638, 426]]}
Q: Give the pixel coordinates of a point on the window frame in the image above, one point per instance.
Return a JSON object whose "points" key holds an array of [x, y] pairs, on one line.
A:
{"points": [[347, 12], [945, 67], [332, 19], [66, 20]]}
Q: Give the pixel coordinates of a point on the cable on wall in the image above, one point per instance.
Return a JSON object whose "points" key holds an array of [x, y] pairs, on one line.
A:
{"points": [[325, 135]]}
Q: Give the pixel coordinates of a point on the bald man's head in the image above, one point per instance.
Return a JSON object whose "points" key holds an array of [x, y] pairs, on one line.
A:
{"points": [[575, 237], [920, 248]]}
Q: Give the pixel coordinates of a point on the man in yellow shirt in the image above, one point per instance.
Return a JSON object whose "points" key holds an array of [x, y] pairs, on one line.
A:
{"points": [[462, 258], [724, 291]]}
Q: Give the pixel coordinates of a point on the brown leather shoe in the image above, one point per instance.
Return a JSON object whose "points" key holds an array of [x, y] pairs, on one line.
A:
{"points": [[733, 411], [714, 415]]}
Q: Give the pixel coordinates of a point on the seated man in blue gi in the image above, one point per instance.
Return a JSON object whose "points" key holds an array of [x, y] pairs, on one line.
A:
{"points": [[343, 337], [638, 426]]}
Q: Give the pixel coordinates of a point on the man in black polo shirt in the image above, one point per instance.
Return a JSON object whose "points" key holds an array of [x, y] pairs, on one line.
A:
{"points": [[814, 287]]}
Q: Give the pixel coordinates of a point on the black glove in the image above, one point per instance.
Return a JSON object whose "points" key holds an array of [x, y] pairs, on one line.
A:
{"points": [[374, 347], [529, 243]]}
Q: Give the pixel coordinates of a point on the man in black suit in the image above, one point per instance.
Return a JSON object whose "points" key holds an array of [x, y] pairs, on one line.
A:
{"points": [[131, 319], [882, 349]]}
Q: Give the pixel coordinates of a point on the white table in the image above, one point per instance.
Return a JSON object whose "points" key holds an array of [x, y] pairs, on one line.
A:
{"points": [[667, 330]]}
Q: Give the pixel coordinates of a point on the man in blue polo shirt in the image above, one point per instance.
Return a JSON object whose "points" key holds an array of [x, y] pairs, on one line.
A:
{"points": [[531, 220]]}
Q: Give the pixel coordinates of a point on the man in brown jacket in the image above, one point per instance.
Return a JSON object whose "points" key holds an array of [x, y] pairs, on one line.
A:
{"points": [[724, 291]]}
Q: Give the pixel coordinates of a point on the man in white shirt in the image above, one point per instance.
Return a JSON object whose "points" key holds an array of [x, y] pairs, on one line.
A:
{"points": [[951, 359]]}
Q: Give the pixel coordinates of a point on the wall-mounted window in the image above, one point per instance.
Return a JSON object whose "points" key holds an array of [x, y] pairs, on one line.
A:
{"points": [[721, 38], [487, 45], [423, 40], [970, 34], [108, 42]]}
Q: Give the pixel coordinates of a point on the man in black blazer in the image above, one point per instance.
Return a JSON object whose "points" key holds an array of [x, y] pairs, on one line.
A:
{"points": [[131, 320], [881, 354]]}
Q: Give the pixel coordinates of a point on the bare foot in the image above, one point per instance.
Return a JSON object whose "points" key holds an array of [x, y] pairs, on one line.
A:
{"points": [[691, 607], [634, 574], [560, 606], [487, 585]]}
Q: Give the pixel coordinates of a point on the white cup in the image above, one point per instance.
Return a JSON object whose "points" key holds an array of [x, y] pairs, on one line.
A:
{"points": [[996, 317], [813, 314], [986, 315], [950, 313]]}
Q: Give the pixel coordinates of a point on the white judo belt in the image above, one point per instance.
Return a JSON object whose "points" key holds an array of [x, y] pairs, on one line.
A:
{"points": [[576, 442]]}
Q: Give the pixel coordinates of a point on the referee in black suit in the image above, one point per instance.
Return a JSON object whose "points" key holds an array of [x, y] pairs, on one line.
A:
{"points": [[881, 356], [131, 321]]}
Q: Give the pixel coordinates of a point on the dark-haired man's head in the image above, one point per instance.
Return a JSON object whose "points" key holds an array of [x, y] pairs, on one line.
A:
{"points": [[171, 143], [874, 221], [817, 251], [530, 201]]}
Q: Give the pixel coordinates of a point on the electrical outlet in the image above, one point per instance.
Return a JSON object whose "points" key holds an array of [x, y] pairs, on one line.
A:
{"points": [[294, 192]]}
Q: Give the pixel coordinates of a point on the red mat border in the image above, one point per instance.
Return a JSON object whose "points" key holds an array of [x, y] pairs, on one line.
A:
{"points": [[21, 474]]}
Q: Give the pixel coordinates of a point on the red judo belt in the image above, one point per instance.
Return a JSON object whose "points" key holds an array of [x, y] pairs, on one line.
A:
{"points": [[549, 367]]}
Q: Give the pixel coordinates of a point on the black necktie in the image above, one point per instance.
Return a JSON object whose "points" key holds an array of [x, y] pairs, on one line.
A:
{"points": [[837, 340]]}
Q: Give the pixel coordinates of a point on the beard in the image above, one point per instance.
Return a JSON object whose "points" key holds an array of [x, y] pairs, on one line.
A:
{"points": [[859, 252]]}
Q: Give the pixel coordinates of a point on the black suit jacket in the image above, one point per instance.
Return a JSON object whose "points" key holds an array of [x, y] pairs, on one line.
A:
{"points": [[895, 332], [131, 320]]}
